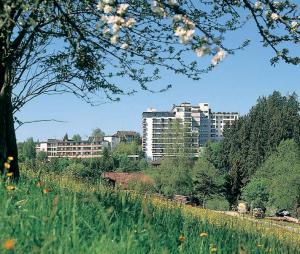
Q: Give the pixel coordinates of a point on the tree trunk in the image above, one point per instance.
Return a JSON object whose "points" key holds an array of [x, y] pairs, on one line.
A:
{"points": [[8, 143]]}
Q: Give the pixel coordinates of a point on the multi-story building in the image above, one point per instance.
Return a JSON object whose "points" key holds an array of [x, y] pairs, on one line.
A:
{"points": [[72, 149], [86, 148], [198, 125]]}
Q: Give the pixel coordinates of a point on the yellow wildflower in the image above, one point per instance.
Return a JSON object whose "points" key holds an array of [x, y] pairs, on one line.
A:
{"points": [[213, 249], [10, 158], [9, 244], [6, 165], [203, 234], [181, 238], [9, 174], [10, 187]]}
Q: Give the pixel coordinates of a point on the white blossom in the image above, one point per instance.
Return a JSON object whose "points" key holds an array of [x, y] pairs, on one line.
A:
{"points": [[100, 6], [258, 5], [202, 51], [105, 31], [107, 9], [122, 8], [275, 16], [108, 1], [158, 9], [294, 25], [173, 2], [114, 39], [130, 22], [177, 17], [185, 35], [124, 46], [218, 57], [115, 28]]}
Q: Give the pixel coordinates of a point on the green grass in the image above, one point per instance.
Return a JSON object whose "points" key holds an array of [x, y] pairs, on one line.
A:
{"points": [[85, 220]]}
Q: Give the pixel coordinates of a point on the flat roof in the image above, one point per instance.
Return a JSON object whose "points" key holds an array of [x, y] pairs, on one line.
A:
{"points": [[159, 114]]}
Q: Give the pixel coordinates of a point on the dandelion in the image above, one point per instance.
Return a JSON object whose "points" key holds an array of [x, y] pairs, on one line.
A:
{"points": [[10, 187], [213, 248], [10, 158], [10, 174], [181, 238], [6, 165], [45, 191], [203, 234], [9, 244]]}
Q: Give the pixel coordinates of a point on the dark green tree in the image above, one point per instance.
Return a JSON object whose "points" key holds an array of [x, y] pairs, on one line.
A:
{"points": [[41, 156], [66, 137], [27, 150], [84, 47], [250, 140], [277, 182], [76, 137], [97, 133], [207, 181]]}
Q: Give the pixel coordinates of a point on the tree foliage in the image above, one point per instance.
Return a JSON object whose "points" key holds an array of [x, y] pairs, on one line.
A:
{"points": [[174, 176], [86, 48], [207, 181], [27, 150], [76, 137], [277, 182], [97, 133], [251, 139]]}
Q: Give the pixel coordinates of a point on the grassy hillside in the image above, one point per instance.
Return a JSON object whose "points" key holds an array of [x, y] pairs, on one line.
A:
{"points": [[59, 215]]}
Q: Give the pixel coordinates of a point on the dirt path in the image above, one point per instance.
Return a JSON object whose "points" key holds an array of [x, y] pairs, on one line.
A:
{"points": [[292, 227]]}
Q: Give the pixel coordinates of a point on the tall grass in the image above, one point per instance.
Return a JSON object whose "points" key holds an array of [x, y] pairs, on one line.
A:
{"points": [[70, 217]]}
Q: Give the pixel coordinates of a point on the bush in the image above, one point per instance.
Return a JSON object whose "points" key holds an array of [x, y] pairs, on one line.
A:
{"points": [[219, 203]]}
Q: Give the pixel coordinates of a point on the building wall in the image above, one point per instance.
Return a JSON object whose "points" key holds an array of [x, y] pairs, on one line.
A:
{"points": [[200, 124], [72, 149]]}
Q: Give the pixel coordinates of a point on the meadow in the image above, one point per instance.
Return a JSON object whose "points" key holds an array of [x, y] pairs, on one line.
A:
{"points": [[56, 214]]}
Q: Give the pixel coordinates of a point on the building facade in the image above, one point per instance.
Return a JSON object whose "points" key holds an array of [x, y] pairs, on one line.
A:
{"points": [[197, 124], [90, 148], [72, 149]]}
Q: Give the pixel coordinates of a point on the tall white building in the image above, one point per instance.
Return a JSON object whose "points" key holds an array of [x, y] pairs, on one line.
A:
{"points": [[198, 122]]}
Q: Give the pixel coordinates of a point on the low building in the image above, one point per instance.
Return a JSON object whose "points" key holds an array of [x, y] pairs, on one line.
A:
{"points": [[127, 136], [55, 148]]}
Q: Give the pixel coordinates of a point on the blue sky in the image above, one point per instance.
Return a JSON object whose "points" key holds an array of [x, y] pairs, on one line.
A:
{"points": [[234, 85]]}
